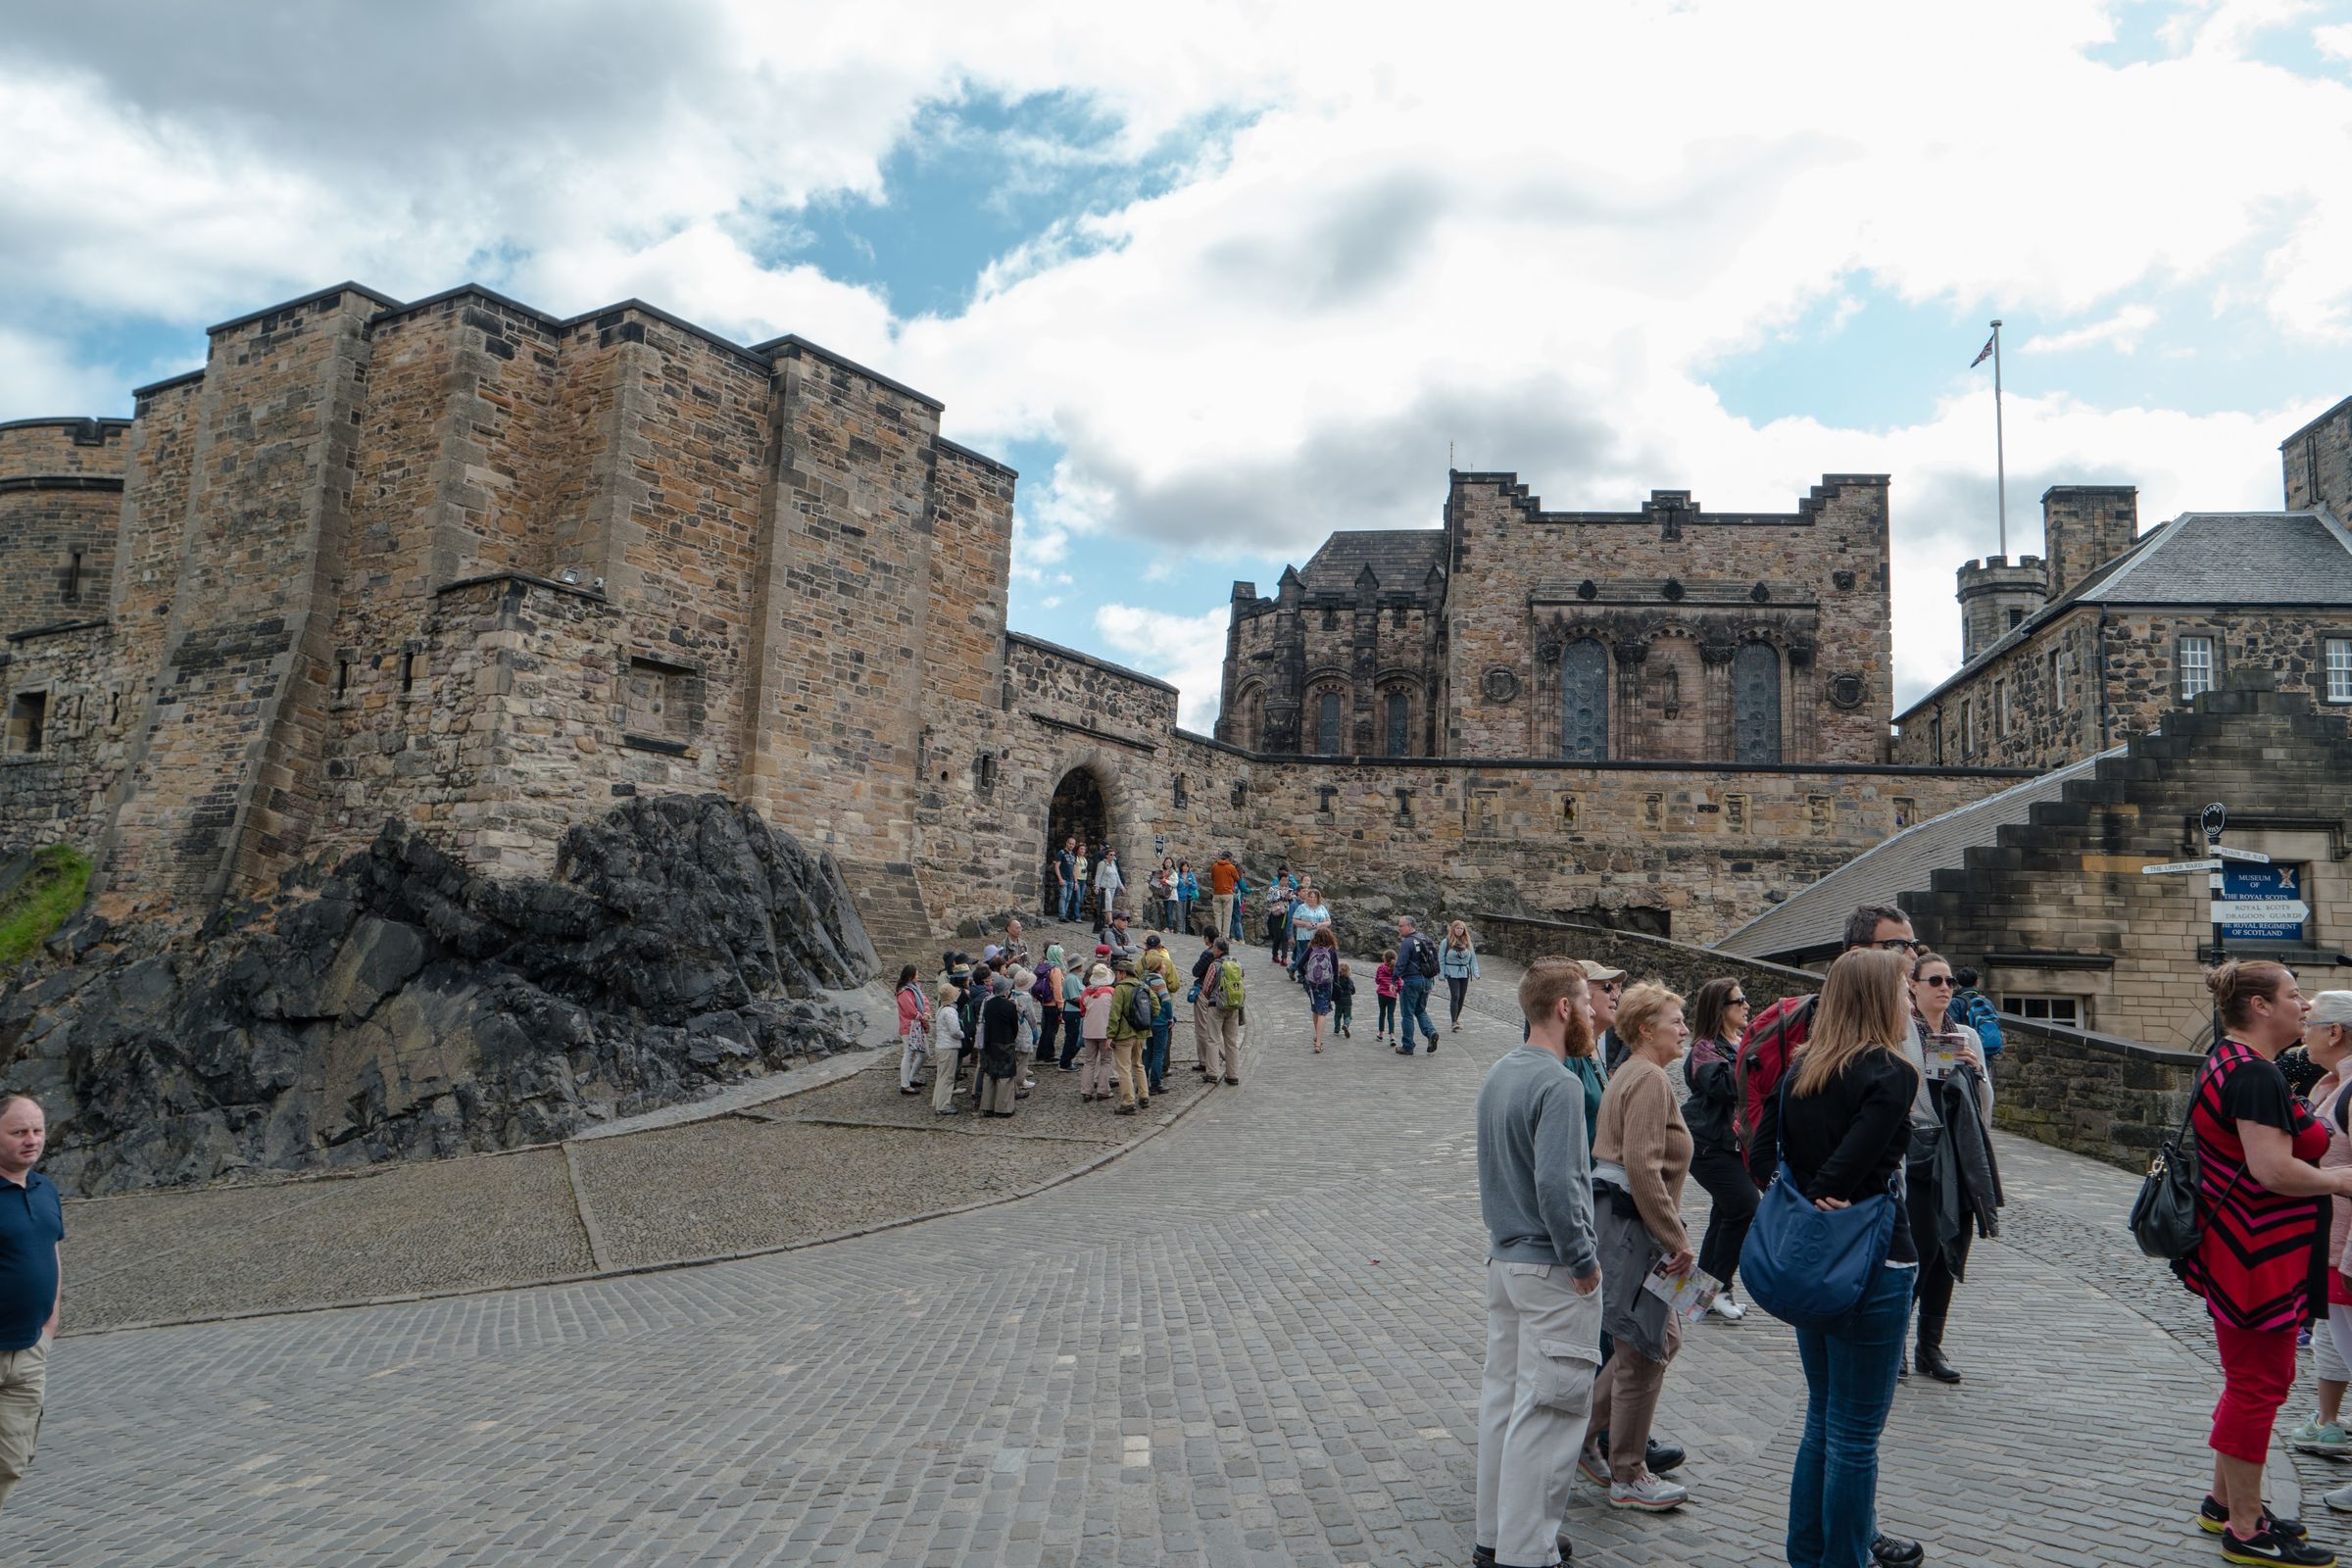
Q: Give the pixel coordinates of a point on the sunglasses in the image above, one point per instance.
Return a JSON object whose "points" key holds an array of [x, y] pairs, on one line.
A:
{"points": [[1736, 1002], [1938, 980], [1900, 945]]}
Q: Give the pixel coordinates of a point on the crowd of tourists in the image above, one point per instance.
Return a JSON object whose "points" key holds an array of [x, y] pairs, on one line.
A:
{"points": [[1842, 1138]]}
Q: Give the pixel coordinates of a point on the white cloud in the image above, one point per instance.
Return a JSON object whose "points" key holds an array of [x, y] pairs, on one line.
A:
{"points": [[1484, 232], [1188, 650], [2120, 333]]}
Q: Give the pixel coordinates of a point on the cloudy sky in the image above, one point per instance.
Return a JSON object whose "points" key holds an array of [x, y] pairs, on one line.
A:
{"points": [[1218, 278]]}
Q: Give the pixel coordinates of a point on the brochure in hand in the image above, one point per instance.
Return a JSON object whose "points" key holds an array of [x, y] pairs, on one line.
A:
{"points": [[1688, 1295]]}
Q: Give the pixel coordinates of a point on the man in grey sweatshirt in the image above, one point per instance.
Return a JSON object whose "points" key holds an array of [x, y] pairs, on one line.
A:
{"points": [[1534, 1192]]}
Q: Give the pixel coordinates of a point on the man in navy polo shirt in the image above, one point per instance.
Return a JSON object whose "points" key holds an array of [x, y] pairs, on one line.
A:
{"points": [[31, 1225]]}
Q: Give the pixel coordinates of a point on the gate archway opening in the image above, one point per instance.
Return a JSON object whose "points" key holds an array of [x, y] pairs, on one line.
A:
{"points": [[1079, 811]]}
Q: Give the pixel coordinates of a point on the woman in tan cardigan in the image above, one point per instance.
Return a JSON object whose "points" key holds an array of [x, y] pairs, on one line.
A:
{"points": [[1641, 1154]]}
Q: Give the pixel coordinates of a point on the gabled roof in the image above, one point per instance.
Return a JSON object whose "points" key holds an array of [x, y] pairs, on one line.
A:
{"points": [[1815, 916], [1401, 557], [2199, 559]]}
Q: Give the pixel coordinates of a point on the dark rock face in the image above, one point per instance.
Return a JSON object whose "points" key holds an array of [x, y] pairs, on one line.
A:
{"points": [[410, 1010]]}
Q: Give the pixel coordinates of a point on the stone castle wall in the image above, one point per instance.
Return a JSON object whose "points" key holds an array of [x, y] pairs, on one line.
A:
{"points": [[61, 487], [2316, 462]]}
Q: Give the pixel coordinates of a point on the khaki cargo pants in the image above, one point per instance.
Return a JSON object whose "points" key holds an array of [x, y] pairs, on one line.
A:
{"points": [[23, 1378]]}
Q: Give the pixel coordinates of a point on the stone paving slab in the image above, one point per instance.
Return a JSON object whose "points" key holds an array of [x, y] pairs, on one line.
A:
{"points": [[1252, 1340]]}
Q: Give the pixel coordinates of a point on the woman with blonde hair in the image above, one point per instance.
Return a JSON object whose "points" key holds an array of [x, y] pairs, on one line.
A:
{"points": [[1641, 1156], [1458, 961], [1843, 1127]]}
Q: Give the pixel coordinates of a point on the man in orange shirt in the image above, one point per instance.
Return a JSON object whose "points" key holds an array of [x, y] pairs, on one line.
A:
{"points": [[1222, 879]]}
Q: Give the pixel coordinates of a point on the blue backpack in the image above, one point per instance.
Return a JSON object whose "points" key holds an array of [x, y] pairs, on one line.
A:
{"points": [[1978, 1013]]}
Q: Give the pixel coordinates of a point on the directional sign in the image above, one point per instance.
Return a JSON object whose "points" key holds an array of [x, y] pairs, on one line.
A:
{"points": [[2262, 903], [2175, 867], [2255, 856]]}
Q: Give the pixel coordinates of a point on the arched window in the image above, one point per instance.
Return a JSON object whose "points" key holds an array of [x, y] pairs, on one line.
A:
{"points": [[1401, 721], [1756, 704], [1327, 723], [1248, 717], [1584, 702]]}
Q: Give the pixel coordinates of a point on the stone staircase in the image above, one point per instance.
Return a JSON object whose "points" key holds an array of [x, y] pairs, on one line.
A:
{"points": [[895, 920]]}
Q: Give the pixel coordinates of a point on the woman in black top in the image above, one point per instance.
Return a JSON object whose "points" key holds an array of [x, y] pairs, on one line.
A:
{"points": [[1844, 1130], [1718, 1019]]}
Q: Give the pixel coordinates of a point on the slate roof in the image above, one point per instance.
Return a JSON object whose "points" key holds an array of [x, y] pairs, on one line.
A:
{"points": [[2202, 558], [1401, 557], [1815, 916]]}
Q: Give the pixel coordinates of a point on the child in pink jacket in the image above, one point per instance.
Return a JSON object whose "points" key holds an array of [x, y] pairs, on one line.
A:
{"points": [[1387, 986]]}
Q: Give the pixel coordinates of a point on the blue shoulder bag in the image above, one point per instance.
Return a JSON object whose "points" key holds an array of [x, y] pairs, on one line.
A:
{"points": [[1808, 1267]]}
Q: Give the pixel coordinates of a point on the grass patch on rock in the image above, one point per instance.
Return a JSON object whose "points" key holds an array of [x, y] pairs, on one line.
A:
{"points": [[37, 906]]}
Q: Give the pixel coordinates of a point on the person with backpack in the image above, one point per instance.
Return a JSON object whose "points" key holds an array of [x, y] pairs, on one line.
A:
{"points": [[1342, 1001], [1204, 966], [1417, 970], [1163, 1026], [1224, 895], [1024, 997], [1320, 972], [1309, 915], [1779, 1029], [1131, 1015], [1222, 995], [1095, 1069], [1975, 1010], [1457, 962], [1950, 1184], [1232, 926], [1278, 925], [998, 1073]]}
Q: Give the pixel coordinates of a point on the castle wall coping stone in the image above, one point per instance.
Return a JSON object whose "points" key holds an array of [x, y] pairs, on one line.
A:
{"points": [[981, 457], [2029, 960], [2312, 424], [1089, 658], [1092, 733], [792, 346], [166, 384], [60, 481], [58, 630], [576, 590], [66, 421], [1564, 765], [298, 302]]}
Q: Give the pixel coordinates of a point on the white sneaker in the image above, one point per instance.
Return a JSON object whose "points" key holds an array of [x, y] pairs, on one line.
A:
{"points": [[1647, 1493], [1724, 1307], [2341, 1499]]}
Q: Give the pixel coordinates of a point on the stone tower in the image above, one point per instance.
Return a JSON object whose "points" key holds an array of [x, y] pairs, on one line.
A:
{"points": [[1996, 596]]}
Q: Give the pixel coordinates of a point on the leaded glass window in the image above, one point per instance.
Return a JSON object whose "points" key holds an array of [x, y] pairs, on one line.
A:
{"points": [[1584, 702], [1401, 719], [1756, 704], [1327, 724]]}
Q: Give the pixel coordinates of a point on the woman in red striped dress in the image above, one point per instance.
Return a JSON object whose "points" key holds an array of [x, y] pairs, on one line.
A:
{"points": [[2261, 1196]]}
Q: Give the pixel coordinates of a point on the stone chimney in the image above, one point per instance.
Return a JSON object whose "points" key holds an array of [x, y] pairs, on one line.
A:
{"points": [[2084, 527], [1996, 596]]}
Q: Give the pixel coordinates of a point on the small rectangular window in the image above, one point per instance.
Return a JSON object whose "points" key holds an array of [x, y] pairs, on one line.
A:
{"points": [[28, 722], [2000, 697], [1968, 727], [74, 578], [2196, 666], [2062, 695], [407, 674], [1906, 812], [2339, 669], [1324, 794], [2065, 1011]]}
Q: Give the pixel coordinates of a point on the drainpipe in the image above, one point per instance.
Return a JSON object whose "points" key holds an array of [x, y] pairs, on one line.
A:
{"points": [[2104, 741]]}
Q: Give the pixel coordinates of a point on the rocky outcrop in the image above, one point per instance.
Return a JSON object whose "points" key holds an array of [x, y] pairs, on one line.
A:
{"points": [[403, 1007]]}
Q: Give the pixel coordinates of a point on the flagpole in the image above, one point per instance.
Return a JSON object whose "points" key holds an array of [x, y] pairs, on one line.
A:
{"points": [[2001, 457]]}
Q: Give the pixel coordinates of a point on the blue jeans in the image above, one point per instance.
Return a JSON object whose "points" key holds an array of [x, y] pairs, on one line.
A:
{"points": [[1155, 1055], [1849, 1387], [1071, 894], [1416, 1008], [1236, 933]]}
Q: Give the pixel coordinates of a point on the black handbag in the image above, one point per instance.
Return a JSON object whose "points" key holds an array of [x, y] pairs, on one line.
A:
{"points": [[2164, 1216]]}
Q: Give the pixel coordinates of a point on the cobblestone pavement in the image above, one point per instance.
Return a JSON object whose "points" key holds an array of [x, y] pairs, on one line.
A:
{"points": [[1252, 1340]]}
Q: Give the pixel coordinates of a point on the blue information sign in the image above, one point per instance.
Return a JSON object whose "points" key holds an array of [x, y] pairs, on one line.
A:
{"points": [[2262, 903]]}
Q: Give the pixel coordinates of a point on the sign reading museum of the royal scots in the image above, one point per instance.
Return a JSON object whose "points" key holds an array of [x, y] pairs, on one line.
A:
{"points": [[2262, 903]]}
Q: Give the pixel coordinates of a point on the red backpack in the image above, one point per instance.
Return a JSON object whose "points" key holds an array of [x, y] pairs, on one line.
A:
{"points": [[1764, 1053]]}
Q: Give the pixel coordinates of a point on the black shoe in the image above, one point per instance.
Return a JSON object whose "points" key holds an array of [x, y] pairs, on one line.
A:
{"points": [[2213, 1518], [2270, 1544], [1902, 1368], [1932, 1364], [1661, 1458], [1894, 1551], [1483, 1556]]}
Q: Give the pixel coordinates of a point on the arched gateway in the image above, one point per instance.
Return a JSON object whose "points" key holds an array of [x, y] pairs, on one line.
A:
{"points": [[1080, 811]]}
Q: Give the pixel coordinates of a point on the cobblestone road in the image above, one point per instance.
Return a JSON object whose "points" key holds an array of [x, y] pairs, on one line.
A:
{"points": [[1252, 1341]]}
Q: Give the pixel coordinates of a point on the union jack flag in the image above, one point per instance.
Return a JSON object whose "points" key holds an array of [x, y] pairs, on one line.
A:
{"points": [[1983, 353]]}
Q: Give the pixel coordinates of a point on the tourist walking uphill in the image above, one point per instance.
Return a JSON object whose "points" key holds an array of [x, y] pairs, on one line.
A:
{"points": [[1718, 1019], [1458, 961], [2257, 1179], [1309, 915], [1416, 972], [1319, 969], [1220, 1033], [1535, 1195]]}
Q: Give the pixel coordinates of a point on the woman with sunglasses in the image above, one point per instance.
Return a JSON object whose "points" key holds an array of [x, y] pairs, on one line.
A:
{"points": [[1718, 1019], [1953, 1187]]}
